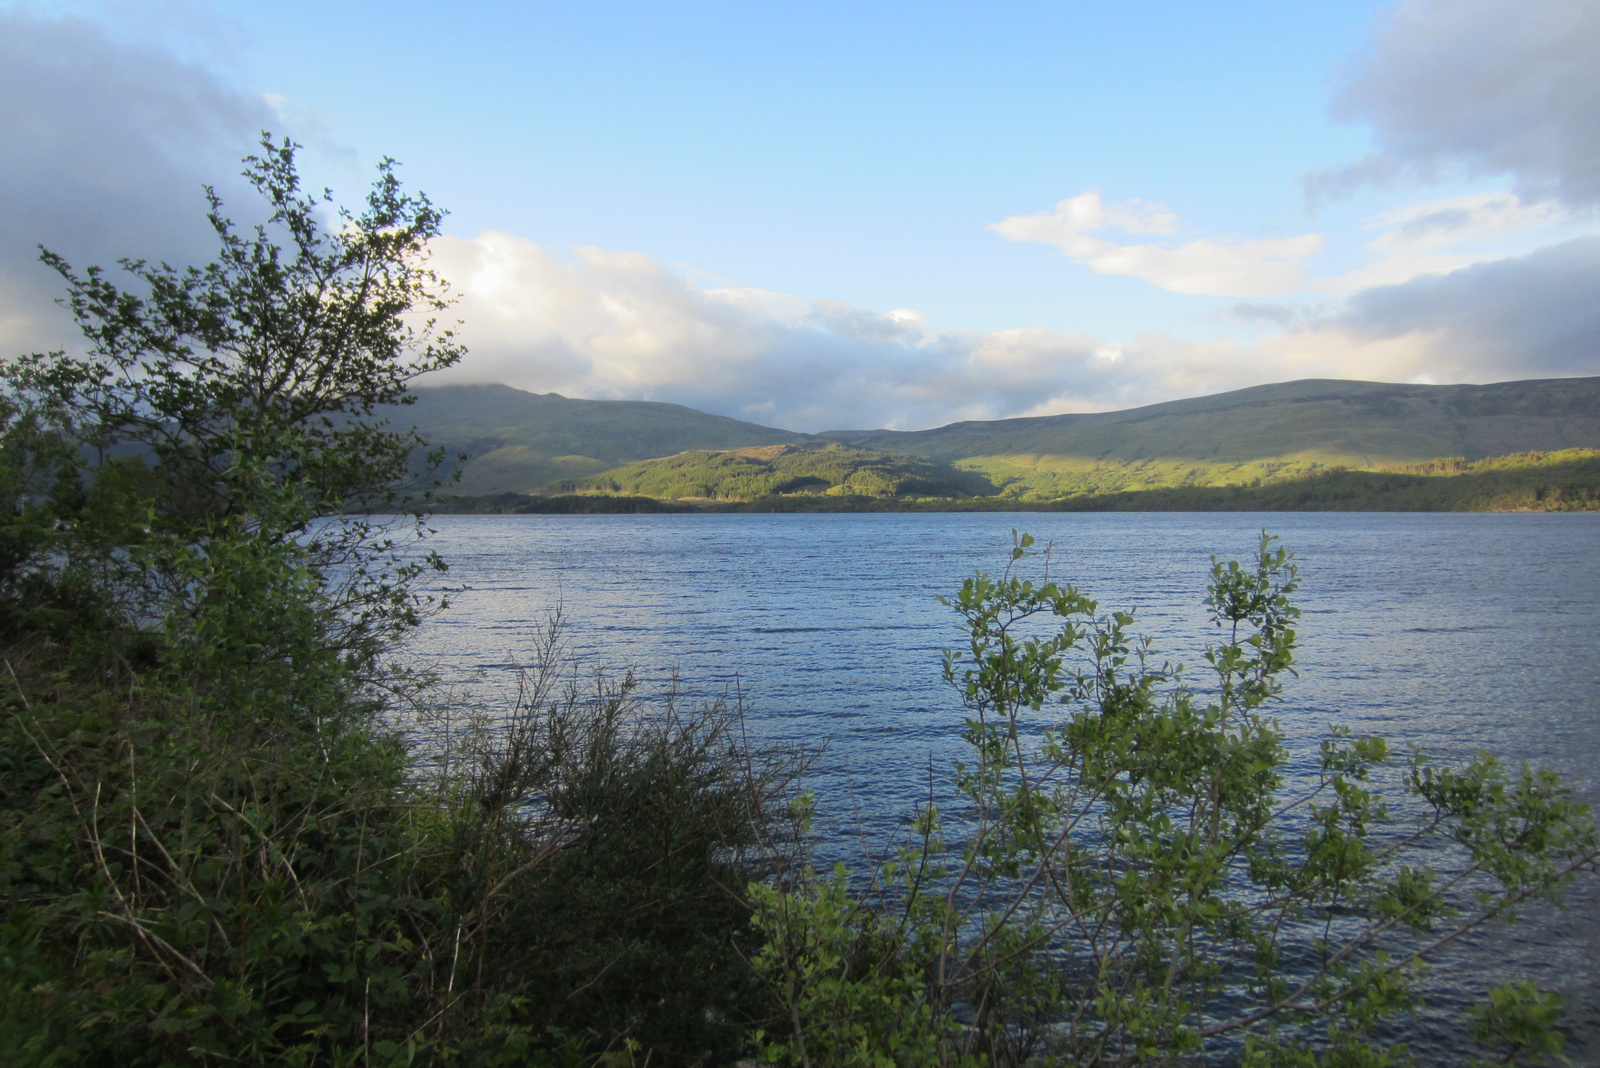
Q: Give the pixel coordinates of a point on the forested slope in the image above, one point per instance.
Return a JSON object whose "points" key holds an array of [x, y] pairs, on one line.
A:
{"points": [[747, 474], [519, 442], [1260, 434]]}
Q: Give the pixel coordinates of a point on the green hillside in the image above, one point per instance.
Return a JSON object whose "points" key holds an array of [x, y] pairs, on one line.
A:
{"points": [[1257, 435], [1566, 481], [775, 470], [517, 441]]}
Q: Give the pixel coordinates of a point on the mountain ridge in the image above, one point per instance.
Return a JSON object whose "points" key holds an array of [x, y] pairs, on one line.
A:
{"points": [[516, 441], [521, 442], [1560, 399]]}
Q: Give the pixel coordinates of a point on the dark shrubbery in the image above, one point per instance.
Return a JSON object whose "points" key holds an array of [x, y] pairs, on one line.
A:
{"points": [[623, 913], [264, 880], [216, 847]]}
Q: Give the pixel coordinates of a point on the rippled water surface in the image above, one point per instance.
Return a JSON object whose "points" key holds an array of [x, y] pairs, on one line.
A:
{"points": [[1457, 632]]}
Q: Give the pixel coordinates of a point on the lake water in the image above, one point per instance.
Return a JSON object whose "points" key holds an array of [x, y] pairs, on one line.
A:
{"points": [[1458, 632]]}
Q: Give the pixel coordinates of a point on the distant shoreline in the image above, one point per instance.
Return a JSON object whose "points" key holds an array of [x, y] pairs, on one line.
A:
{"points": [[1561, 487]]}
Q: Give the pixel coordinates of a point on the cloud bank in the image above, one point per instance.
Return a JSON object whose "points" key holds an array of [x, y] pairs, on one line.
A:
{"points": [[1530, 316], [1481, 87], [621, 325], [107, 145]]}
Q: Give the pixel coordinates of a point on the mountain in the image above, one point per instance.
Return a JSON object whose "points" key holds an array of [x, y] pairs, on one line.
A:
{"points": [[517, 441], [1264, 432]]}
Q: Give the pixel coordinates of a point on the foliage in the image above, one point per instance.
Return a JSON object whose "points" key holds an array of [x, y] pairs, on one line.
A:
{"points": [[215, 844], [743, 474], [854, 979], [1566, 481], [605, 848], [234, 401], [1321, 480], [1130, 876], [254, 881]]}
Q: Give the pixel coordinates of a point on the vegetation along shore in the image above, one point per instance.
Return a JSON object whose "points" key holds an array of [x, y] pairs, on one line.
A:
{"points": [[1563, 481]]}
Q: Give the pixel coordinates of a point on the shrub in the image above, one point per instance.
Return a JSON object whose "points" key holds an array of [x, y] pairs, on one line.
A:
{"points": [[1123, 879], [215, 846], [595, 851]]}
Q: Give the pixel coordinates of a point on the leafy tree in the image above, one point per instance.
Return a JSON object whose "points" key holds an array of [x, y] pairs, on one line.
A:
{"points": [[197, 801], [216, 847], [239, 398], [1124, 880]]}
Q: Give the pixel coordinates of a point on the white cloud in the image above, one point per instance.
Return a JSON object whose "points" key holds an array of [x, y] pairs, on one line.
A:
{"points": [[1085, 213], [1451, 220], [608, 324], [604, 324], [1479, 87], [1206, 267], [1426, 238]]}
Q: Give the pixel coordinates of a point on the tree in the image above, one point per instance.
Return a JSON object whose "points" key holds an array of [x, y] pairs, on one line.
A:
{"points": [[1124, 880], [216, 845], [238, 398], [200, 808]]}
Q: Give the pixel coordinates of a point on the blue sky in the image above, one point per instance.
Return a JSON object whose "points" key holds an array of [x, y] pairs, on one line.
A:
{"points": [[830, 215]]}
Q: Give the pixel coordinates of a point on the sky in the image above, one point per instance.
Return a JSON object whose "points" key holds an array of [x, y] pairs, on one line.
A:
{"points": [[850, 215]]}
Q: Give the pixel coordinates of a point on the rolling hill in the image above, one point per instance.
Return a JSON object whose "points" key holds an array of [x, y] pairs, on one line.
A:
{"points": [[1262, 433], [519, 441], [516, 441]]}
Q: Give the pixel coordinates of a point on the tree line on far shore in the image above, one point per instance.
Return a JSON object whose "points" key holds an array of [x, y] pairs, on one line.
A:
{"points": [[1564, 481]]}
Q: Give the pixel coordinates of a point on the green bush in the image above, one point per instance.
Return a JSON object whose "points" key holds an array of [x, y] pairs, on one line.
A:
{"points": [[216, 844], [608, 846], [269, 882], [1124, 880]]}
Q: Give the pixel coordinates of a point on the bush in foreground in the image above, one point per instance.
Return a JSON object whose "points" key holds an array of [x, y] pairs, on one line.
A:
{"points": [[1129, 875], [215, 847]]}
